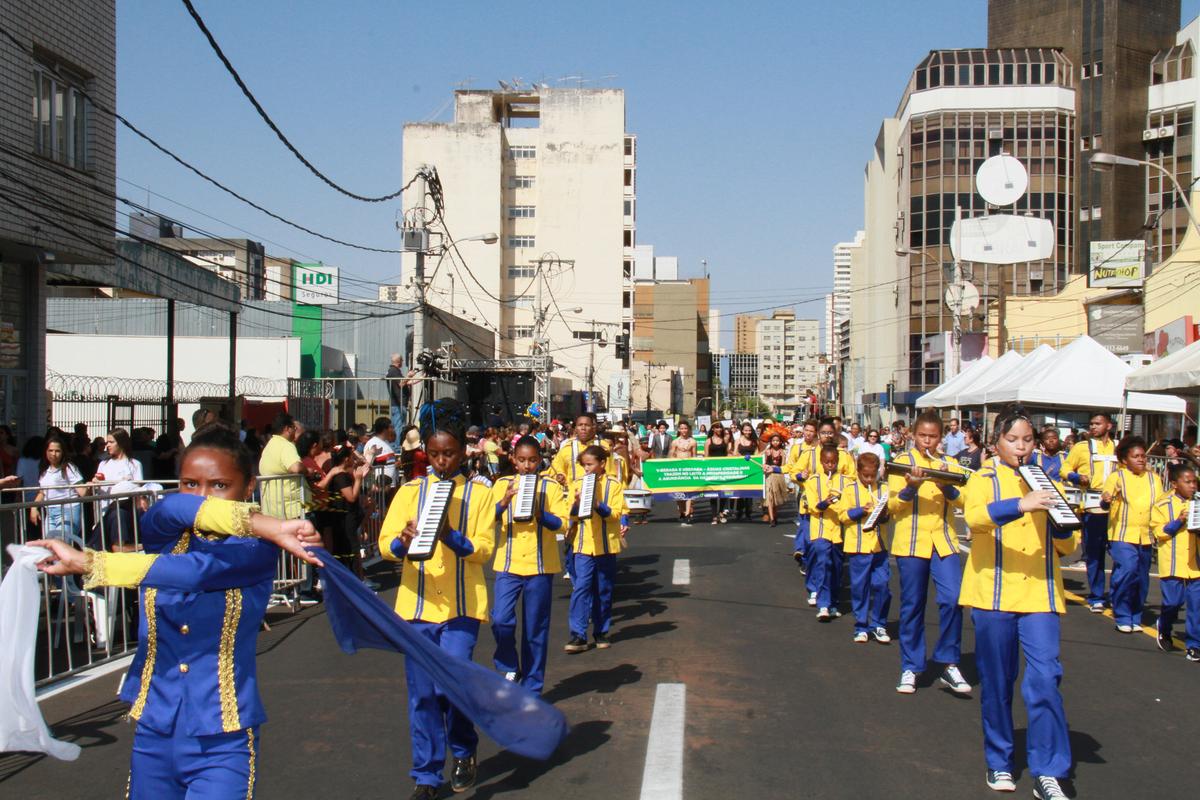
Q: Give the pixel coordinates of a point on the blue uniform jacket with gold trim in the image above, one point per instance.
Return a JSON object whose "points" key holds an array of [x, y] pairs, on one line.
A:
{"points": [[203, 598]]}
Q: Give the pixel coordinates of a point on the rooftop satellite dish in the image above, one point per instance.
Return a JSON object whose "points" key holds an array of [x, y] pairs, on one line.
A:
{"points": [[1002, 239], [1001, 180], [962, 298]]}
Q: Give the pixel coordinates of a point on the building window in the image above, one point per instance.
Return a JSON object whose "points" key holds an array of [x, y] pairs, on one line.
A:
{"points": [[520, 301], [1096, 212], [60, 119], [521, 241], [629, 208], [586, 335], [522, 271], [520, 331], [522, 151], [520, 212], [520, 181], [1084, 214]]}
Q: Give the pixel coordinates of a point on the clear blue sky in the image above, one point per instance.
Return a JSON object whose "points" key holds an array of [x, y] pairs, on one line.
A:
{"points": [[755, 120]]}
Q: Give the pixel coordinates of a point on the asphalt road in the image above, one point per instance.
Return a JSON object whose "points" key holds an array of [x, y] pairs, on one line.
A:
{"points": [[777, 705]]}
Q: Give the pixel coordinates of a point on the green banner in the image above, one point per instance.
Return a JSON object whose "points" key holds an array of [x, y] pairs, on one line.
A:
{"points": [[729, 474]]}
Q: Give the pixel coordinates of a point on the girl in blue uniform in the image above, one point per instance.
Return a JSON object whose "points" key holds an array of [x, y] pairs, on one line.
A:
{"points": [[192, 686]]}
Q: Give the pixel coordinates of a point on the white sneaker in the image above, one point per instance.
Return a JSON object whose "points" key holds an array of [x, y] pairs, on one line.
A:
{"points": [[823, 615], [1096, 608], [812, 598], [1045, 788], [953, 680], [511, 677], [908, 682], [881, 635], [1001, 781], [1125, 629], [860, 637]]}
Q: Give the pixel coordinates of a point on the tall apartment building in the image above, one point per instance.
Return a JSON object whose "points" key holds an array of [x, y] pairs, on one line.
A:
{"points": [[1110, 45], [239, 261], [837, 303], [788, 359], [961, 107], [745, 333], [670, 326], [1169, 140], [553, 171], [743, 375]]}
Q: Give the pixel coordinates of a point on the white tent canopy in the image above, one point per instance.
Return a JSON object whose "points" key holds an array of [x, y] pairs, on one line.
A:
{"points": [[1040, 361], [1005, 367], [937, 398], [1178, 372], [1082, 375]]}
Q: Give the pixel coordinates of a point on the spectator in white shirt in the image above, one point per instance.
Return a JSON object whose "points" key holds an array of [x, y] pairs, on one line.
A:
{"points": [[118, 467], [59, 479], [872, 445], [380, 444]]}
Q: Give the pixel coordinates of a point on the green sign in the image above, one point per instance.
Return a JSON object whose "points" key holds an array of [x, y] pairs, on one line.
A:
{"points": [[727, 474]]}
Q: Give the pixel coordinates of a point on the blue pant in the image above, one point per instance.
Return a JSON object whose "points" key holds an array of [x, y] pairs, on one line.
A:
{"points": [[535, 616], [998, 634], [870, 596], [802, 529], [399, 420], [914, 591], [1175, 593], [1130, 581], [591, 593], [1095, 542], [432, 721], [825, 570], [165, 766]]}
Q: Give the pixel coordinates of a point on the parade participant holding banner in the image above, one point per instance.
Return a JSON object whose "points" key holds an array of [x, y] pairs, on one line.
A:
{"points": [[775, 492], [443, 596], [1088, 465], [870, 596], [684, 446], [1013, 585], [925, 546]]}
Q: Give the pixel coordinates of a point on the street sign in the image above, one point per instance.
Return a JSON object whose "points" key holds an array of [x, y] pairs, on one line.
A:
{"points": [[315, 284], [1118, 264]]}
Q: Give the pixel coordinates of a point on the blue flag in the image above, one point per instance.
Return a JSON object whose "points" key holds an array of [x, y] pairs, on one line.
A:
{"points": [[516, 718]]}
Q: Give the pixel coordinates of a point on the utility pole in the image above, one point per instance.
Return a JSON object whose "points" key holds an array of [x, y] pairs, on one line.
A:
{"points": [[541, 342], [591, 375], [416, 241]]}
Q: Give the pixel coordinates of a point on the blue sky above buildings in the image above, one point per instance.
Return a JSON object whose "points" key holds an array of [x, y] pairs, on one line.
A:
{"points": [[755, 120]]}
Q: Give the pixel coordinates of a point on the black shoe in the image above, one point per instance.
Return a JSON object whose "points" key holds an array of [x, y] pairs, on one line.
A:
{"points": [[602, 642], [1193, 654], [576, 644], [1164, 639], [462, 774], [423, 792]]}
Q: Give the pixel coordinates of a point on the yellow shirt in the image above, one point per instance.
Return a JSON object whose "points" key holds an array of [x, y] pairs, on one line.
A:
{"points": [[1090, 465], [597, 535], [804, 457], [926, 522], [1129, 514], [619, 467], [566, 460], [824, 524], [445, 586], [1176, 552], [1014, 560], [528, 547], [281, 497], [855, 494]]}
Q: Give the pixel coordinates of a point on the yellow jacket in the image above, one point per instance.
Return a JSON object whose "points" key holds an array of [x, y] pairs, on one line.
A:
{"points": [[925, 522], [566, 460], [620, 469], [448, 585], [1177, 547], [1013, 563], [1129, 514], [806, 458], [530, 547], [852, 515], [824, 523], [1088, 465], [599, 535]]}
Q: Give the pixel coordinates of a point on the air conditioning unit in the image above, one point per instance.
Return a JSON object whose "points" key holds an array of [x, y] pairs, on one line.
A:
{"points": [[995, 133], [1150, 134], [1166, 132], [900, 151], [1037, 273]]}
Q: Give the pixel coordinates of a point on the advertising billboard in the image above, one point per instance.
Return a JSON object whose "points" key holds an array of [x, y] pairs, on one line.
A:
{"points": [[1117, 264], [315, 284]]}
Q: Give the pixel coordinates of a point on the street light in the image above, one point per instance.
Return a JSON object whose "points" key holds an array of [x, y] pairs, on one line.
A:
{"points": [[1104, 162]]}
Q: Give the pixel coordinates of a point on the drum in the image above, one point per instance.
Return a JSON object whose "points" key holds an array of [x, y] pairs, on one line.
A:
{"points": [[638, 501], [1091, 503], [1074, 496]]}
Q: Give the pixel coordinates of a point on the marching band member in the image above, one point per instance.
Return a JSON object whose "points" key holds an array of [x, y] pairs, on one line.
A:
{"points": [[444, 597], [803, 460], [1128, 495], [870, 596], [1178, 567], [1013, 585], [192, 686], [526, 562], [600, 537], [925, 545], [565, 469], [1049, 456], [1088, 465], [822, 491]]}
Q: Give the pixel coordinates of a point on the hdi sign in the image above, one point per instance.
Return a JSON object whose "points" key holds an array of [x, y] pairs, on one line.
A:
{"points": [[315, 284]]}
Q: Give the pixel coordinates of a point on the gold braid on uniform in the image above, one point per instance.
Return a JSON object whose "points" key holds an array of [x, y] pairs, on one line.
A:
{"points": [[250, 780], [230, 721], [241, 519], [148, 601]]}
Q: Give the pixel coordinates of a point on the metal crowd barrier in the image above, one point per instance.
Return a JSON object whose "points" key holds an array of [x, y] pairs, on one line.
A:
{"points": [[378, 489], [285, 497]]}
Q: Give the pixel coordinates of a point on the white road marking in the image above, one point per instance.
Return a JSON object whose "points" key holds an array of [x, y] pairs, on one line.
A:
{"points": [[83, 677], [663, 776], [681, 574]]}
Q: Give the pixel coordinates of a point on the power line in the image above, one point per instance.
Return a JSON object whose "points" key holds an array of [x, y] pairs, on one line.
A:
{"points": [[212, 42]]}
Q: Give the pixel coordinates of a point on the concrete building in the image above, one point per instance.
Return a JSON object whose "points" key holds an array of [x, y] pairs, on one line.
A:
{"points": [[553, 171], [1110, 44], [745, 333], [788, 359], [392, 293], [837, 303], [743, 376], [238, 261], [278, 278], [670, 326]]}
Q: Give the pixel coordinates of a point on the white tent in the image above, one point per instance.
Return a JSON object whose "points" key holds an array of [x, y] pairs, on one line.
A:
{"points": [[1084, 375], [1004, 367], [1035, 364], [937, 398], [1178, 372]]}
